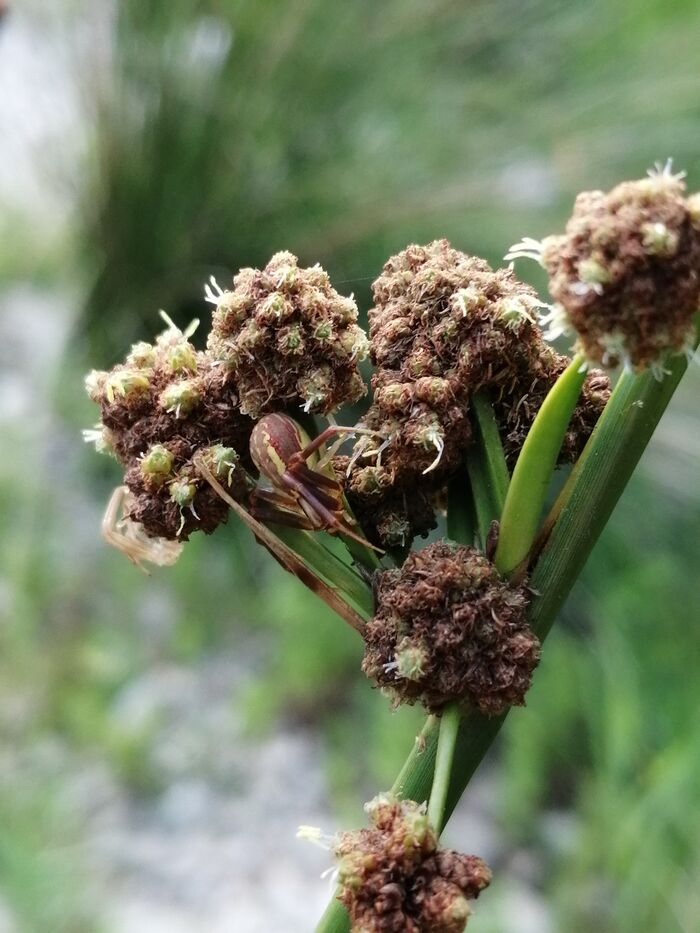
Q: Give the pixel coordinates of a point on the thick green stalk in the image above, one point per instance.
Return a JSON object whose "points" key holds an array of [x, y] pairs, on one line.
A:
{"points": [[444, 756], [492, 449], [593, 489], [596, 483], [482, 490], [533, 471], [486, 465]]}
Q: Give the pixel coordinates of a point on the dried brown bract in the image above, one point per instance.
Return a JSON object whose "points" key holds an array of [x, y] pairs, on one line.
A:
{"points": [[165, 403], [448, 628], [393, 877], [626, 274], [288, 338]]}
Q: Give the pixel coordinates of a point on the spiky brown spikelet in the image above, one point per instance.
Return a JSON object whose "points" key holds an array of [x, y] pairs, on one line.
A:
{"points": [[393, 877], [163, 405], [445, 326], [288, 338], [448, 628], [626, 273]]}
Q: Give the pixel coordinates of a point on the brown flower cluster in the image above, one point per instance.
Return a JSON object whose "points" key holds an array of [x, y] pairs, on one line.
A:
{"points": [[288, 338], [444, 326], [393, 878], [164, 404], [626, 274], [389, 515], [447, 628]]}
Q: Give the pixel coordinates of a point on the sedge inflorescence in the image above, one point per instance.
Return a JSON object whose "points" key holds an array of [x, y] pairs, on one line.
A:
{"points": [[626, 273], [394, 876], [288, 338], [448, 628], [445, 326], [163, 405]]}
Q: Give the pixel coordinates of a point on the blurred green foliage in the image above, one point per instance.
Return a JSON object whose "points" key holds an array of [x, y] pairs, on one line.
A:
{"points": [[227, 130], [223, 131]]}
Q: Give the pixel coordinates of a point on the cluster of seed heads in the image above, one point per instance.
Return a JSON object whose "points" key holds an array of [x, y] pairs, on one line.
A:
{"points": [[445, 326], [394, 877], [448, 628], [163, 405], [626, 273], [288, 338]]}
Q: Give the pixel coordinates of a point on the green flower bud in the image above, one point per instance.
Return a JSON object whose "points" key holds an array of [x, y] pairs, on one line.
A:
{"points": [[125, 383], [222, 462], [315, 387], [410, 660], [434, 390], [290, 340], [514, 310], [250, 338], [142, 355], [351, 870], [418, 832], [593, 273], [395, 398], [182, 492], [180, 398], [273, 309], [457, 913], [467, 300], [353, 343], [157, 464], [180, 357], [658, 240], [324, 331]]}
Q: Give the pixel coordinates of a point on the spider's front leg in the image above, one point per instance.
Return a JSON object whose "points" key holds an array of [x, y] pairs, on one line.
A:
{"points": [[278, 507], [335, 430]]}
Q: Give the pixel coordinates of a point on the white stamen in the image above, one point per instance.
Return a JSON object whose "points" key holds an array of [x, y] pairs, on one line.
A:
{"points": [[439, 445], [527, 248], [556, 322], [664, 170], [213, 292], [315, 836]]}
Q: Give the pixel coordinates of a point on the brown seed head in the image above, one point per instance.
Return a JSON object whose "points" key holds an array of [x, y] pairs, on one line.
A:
{"points": [[393, 876], [626, 274], [444, 326], [288, 338], [448, 607], [163, 405]]}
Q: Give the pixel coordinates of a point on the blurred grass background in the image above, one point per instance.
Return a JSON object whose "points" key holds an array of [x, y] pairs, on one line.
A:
{"points": [[204, 136]]}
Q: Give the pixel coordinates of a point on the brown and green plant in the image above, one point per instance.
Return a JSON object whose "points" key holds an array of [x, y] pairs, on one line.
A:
{"points": [[472, 414]]}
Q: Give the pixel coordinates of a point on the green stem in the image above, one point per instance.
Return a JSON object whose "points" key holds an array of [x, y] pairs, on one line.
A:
{"points": [[533, 471], [449, 728], [594, 487], [486, 465], [596, 483], [494, 460], [485, 505]]}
